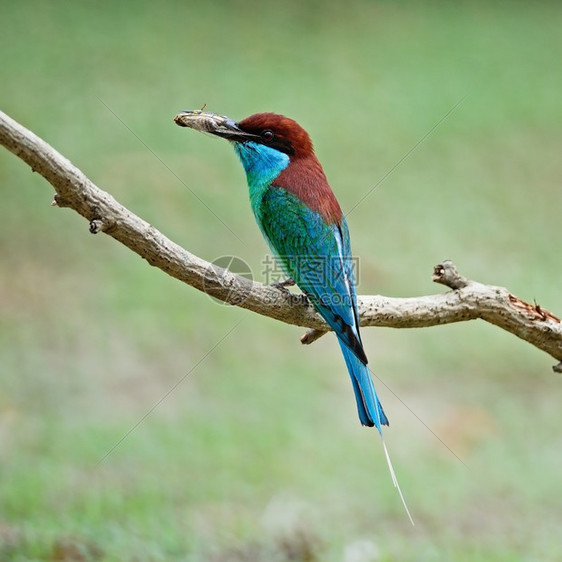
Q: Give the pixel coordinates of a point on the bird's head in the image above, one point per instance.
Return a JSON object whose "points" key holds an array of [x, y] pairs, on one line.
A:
{"points": [[265, 142], [274, 131], [274, 150], [267, 129]]}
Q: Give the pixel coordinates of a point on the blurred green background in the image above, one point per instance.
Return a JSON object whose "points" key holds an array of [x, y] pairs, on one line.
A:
{"points": [[258, 453]]}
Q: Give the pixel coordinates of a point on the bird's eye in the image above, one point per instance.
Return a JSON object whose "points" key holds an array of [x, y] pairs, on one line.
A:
{"points": [[267, 135]]}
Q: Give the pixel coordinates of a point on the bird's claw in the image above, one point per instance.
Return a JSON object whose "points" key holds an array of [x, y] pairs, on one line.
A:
{"points": [[282, 285]]}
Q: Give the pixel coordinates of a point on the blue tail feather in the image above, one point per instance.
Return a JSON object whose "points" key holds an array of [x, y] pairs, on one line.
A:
{"points": [[369, 407]]}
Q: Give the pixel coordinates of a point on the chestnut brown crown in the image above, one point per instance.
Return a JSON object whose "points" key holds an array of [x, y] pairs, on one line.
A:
{"points": [[279, 132]]}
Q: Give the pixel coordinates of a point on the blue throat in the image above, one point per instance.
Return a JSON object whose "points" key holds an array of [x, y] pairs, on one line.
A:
{"points": [[262, 165]]}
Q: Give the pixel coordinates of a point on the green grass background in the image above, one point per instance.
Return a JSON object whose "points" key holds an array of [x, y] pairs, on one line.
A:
{"points": [[258, 453]]}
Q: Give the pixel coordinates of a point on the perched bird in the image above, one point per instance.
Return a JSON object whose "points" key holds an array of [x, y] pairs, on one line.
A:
{"points": [[302, 221]]}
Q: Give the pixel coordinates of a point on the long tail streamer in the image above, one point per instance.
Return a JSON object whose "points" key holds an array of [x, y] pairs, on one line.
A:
{"points": [[395, 480]]}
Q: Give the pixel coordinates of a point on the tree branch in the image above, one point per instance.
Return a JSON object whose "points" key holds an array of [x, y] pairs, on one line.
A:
{"points": [[467, 300]]}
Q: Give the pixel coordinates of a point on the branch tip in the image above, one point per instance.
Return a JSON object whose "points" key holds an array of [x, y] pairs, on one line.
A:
{"points": [[310, 336], [447, 274], [59, 201]]}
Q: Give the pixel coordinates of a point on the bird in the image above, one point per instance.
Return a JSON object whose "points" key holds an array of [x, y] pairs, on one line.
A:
{"points": [[305, 228]]}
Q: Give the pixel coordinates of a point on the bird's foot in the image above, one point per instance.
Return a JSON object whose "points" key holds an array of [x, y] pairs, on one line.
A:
{"points": [[296, 298], [282, 285]]}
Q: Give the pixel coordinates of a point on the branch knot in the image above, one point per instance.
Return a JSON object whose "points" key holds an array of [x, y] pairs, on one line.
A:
{"points": [[447, 274]]}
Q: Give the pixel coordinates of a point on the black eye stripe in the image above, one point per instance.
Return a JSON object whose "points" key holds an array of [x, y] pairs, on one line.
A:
{"points": [[268, 138]]}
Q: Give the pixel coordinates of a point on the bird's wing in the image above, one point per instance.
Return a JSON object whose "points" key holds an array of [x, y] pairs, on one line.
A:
{"points": [[317, 256]]}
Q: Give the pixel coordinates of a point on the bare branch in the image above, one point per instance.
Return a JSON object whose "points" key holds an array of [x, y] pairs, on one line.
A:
{"points": [[467, 300]]}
